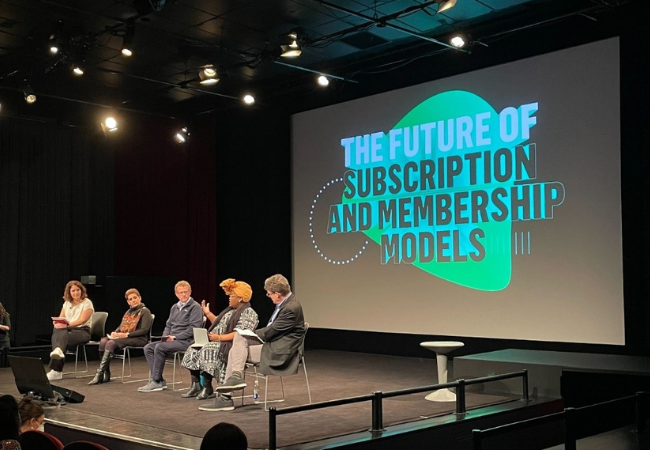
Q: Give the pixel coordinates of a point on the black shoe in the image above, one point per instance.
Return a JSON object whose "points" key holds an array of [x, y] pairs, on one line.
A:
{"points": [[206, 392], [99, 378], [234, 383], [194, 390]]}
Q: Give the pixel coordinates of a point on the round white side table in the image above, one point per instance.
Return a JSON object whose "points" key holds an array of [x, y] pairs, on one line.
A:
{"points": [[442, 348]]}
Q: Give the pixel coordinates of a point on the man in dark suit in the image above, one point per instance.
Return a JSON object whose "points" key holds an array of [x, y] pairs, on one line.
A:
{"points": [[276, 346]]}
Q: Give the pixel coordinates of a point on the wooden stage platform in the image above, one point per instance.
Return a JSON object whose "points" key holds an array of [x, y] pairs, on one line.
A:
{"points": [[120, 417], [552, 374]]}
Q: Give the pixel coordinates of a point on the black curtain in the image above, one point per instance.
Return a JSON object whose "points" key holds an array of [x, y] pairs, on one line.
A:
{"points": [[56, 218]]}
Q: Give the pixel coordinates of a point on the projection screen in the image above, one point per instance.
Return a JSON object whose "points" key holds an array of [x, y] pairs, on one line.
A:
{"points": [[482, 205]]}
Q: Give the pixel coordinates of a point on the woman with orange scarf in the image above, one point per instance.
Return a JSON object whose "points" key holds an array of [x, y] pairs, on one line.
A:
{"points": [[134, 330]]}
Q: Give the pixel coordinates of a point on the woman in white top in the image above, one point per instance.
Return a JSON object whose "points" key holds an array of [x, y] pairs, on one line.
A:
{"points": [[77, 311]]}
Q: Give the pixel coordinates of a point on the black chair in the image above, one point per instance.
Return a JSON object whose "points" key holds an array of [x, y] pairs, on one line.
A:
{"points": [[84, 445], [251, 369], [126, 356], [97, 331]]}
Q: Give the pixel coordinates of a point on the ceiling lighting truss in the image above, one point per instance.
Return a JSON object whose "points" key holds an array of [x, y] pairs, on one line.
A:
{"points": [[384, 21]]}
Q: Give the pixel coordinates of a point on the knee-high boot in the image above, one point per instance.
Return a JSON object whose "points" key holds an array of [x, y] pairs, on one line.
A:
{"points": [[107, 367], [100, 376]]}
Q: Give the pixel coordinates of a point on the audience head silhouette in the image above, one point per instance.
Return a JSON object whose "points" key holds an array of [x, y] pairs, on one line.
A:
{"points": [[224, 436], [9, 418]]}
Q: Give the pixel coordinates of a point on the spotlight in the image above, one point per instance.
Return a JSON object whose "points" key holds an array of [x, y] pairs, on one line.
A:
{"points": [[459, 40], [208, 75], [444, 5], [109, 125], [249, 99], [53, 45], [28, 92], [77, 69], [127, 40], [323, 81], [292, 48], [182, 135], [127, 47], [55, 42]]}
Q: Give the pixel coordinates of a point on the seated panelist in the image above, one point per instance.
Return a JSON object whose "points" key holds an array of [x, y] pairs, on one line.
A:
{"points": [[133, 331], [184, 316], [72, 327], [210, 361], [278, 355]]}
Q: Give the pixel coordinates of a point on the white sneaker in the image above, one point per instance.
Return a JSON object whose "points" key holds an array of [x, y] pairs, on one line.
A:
{"points": [[54, 375], [57, 353]]}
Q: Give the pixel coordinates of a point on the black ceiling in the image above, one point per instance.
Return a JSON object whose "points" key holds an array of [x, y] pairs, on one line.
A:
{"points": [[350, 40]]}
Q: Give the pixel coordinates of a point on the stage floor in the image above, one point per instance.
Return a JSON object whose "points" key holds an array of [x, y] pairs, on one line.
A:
{"points": [[164, 419]]}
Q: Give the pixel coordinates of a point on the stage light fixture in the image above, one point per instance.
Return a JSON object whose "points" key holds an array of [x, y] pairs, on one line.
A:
{"points": [[53, 45], [109, 125], [248, 99], [28, 92], [323, 81], [444, 5], [55, 42], [208, 75], [77, 69], [182, 135], [459, 40], [127, 47], [127, 39], [292, 47]]}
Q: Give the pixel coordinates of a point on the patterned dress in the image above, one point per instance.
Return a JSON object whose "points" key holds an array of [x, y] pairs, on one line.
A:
{"points": [[206, 358]]}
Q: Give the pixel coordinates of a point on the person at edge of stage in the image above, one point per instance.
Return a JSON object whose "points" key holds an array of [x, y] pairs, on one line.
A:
{"points": [[5, 328]]}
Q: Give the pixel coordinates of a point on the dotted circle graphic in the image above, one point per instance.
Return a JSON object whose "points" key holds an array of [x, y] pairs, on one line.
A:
{"points": [[311, 229]]}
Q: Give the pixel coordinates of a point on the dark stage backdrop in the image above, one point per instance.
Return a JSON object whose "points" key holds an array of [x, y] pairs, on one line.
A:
{"points": [[254, 220], [165, 206], [56, 218]]}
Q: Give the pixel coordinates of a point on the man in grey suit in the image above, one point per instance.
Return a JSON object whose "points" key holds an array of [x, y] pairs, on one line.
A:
{"points": [[276, 347]]}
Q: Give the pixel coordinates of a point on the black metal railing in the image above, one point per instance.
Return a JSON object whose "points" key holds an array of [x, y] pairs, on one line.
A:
{"points": [[573, 420], [376, 398]]}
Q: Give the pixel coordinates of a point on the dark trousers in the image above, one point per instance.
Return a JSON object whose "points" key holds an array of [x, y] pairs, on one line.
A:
{"points": [[155, 352], [67, 339]]}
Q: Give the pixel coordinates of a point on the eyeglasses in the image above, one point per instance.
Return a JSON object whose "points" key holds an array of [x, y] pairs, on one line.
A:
{"points": [[269, 294]]}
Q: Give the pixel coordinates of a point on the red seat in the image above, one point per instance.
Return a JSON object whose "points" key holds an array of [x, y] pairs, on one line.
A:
{"points": [[84, 445], [39, 440]]}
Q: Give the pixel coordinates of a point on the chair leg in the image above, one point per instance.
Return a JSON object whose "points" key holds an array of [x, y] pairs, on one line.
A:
{"points": [[126, 354], [85, 358], [76, 371], [266, 390], [304, 368], [177, 356]]}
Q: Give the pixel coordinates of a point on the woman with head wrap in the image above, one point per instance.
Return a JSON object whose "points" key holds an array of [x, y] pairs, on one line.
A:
{"points": [[210, 360]]}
